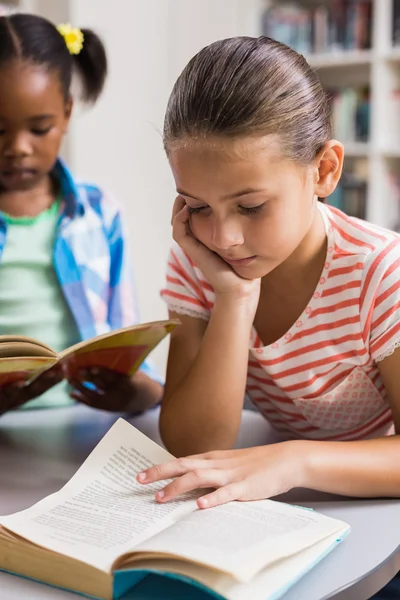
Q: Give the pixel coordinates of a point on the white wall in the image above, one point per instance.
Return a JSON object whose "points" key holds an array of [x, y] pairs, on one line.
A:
{"points": [[118, 143]]}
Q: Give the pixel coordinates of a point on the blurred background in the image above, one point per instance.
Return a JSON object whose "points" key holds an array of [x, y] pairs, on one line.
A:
{"points": [[353, 44]]}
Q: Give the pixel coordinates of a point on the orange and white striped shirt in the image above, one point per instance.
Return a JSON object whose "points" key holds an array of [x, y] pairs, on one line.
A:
{"points": [[320, 380]]}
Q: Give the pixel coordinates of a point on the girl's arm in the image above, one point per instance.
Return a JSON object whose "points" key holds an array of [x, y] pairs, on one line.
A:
{"points": [[206, 379], [365, 468], [207, 363]]}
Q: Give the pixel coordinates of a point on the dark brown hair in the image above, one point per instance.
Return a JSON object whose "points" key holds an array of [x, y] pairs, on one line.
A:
{"points": [[32, 38], [247, 86]]}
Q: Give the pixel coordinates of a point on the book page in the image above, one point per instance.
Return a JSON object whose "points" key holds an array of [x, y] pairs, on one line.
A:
{"points": [[103, 512], [23, 369], [242, 538], [275, 579], [122, 350]]}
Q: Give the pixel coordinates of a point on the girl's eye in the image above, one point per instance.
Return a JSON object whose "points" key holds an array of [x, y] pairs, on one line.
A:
{"points": [[251, 210], [195, 210], [41, 131]]}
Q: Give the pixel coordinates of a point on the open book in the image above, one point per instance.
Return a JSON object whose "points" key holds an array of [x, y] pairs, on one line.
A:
{"points": [[103, 533], [123, 350]]}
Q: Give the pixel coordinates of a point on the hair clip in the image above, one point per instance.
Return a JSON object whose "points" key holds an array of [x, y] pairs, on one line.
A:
{"points": [[73, 37]]}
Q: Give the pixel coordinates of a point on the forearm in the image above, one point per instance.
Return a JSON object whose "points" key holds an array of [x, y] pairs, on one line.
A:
{"points": [[367, 468], [203, 413], [148, 393]]}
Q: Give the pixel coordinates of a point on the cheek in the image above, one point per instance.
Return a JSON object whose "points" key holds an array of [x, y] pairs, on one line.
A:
{"points": [[50, 145], [283, 229], [201, 228], [55, 137]]}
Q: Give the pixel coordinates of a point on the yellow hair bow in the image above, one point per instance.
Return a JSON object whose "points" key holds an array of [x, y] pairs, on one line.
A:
{"points": [[73, 37]]}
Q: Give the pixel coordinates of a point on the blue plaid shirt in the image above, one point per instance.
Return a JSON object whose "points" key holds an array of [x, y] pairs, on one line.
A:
{"points": [[91, 260]]}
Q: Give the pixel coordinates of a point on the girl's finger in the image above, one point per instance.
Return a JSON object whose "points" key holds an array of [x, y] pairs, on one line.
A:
{"points": [[194, 480], [103, 376], [224, 494], [171, 469], [94, 382], [75, 395], [90, 395], [180, 225], [179, 204]]}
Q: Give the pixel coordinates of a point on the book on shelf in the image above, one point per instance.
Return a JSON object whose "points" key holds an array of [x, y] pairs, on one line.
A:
{"points": [[103, 535], [392, 110], [396, 22], [351, 110], [394, 195], [338, 25], [350, 195], [123, 350]]}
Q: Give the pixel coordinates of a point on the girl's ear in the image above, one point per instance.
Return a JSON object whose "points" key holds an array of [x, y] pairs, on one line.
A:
{"points": [[68, 112], [328, 168]]}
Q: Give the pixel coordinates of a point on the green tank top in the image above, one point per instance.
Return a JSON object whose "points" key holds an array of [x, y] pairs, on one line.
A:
{"points": [[31, 299]]}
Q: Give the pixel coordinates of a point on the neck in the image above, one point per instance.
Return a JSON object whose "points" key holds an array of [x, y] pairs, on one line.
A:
{"points": [[29, 203], [307, 260]]}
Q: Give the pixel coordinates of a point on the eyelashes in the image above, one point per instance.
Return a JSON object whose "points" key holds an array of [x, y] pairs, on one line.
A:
{"points": [[41, 131], [245, 210], [34, 131], [195, 211], [251, 210]]}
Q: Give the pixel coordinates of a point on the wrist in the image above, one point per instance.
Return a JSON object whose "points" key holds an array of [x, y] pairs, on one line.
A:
{"points": [[300, 454], [242, 306]]}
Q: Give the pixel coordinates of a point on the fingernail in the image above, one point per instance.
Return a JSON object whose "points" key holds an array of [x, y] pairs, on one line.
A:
{"points": [[141, 476], [160, 495], [203, 502]]}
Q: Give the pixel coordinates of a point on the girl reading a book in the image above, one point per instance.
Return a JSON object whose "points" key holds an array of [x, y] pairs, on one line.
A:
{"points": [[279, 295], [64, 268]]}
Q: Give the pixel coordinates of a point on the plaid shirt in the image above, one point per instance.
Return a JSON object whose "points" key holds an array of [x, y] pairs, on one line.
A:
{"points": [[91, 260]]}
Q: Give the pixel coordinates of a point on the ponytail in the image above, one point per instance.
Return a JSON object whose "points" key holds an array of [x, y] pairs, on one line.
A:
{"points": [[91, 64], [32, 38]]}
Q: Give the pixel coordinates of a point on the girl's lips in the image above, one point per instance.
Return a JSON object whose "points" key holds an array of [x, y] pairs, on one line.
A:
{"points": [[239, 261], [17, 175]]}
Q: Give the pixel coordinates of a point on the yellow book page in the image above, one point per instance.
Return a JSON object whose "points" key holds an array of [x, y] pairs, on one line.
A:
{"points": [[8, 339], [121, 350], [23, 369]]}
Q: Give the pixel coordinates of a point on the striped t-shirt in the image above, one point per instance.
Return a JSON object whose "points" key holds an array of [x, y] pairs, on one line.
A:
{"points": [[320, 379]]}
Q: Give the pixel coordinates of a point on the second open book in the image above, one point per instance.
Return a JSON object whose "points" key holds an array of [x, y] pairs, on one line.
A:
{"points": [[123, 350], [103, 533]]}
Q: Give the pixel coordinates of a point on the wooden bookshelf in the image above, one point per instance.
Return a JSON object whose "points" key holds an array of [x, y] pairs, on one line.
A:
{"points": [[379, 68]]}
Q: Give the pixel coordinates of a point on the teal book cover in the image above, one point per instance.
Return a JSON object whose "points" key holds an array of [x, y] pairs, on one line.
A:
{"points": [[134, 584]]}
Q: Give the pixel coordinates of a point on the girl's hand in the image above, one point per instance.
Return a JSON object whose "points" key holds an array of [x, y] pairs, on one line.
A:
{"points": [[218, 273], [109, 390], [249, 474], [16, 394]]}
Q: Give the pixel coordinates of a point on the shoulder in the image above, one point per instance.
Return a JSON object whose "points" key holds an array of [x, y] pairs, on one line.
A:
{"points": [[99, 202], [179, 261], [374, 247], [186, 290], [370, 259]]}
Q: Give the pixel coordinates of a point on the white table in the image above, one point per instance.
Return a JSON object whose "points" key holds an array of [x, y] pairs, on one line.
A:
{"points": [[40, 451]]}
